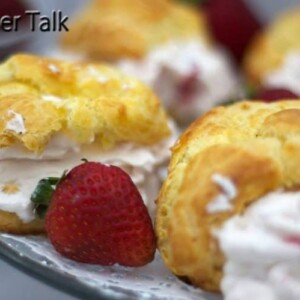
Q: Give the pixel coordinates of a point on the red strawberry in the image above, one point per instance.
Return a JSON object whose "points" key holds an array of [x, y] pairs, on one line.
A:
{"points": [[275, 94], [294, 240], [232, 23], [97, 216], [187, 87], [12, 8]]}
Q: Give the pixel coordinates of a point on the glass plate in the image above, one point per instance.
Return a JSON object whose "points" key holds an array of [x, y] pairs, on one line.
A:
{"points": [[36, 256]]}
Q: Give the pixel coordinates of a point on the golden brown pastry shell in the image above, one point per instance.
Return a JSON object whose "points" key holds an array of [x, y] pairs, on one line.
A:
{"points": [[269, 49], [90, 100], [116, 29], [257, 146], [11, 223]]}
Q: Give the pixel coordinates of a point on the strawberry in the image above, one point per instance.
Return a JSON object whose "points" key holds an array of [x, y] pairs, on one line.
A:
{"points": [[275, 94], [187, 87], [97, 216], [232, 24], [12, 8], [294, 240]]}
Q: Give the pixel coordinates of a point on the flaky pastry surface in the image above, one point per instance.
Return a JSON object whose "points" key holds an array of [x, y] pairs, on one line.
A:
{"points": [[269, 49], [255, 145], [11, 223], [115, 29], [83, 101]]}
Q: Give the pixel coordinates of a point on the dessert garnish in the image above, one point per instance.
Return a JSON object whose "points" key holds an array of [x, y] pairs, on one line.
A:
{"points": [[232, 23], [41, 196], [96, 215], [12, 8], [267, 95], [276, 94]]}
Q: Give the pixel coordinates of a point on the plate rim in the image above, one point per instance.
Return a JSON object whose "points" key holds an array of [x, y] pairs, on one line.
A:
{"points": [[50, 276]]}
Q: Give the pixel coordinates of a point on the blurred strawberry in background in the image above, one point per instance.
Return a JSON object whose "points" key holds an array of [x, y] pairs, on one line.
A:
{"points": [[275, 94], [12, 8], [16, 39], [232, 23]]}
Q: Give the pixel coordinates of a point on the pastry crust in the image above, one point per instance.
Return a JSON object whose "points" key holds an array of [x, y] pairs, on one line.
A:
{"points": [[115, 29], [84, 101], [253, 144], [269, 49], [11, 223]]}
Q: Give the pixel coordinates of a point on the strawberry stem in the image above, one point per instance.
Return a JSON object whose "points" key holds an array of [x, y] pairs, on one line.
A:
{"points": [[42, 195]]}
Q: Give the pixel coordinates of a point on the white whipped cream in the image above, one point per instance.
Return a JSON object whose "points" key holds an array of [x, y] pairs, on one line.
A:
{"points": [[58, 147], [25, 169], [16, 123], [223, 201], [168, 66], [262, 250], [287, 75]]}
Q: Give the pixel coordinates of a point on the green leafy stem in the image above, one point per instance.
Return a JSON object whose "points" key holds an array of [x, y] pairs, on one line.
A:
{"points": [[42, 195]]}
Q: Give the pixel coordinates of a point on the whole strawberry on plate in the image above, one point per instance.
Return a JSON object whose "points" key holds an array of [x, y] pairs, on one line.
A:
{"points": [[97, 216]]}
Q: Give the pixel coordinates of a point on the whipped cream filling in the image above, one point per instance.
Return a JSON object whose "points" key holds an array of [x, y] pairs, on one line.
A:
{"points": [[57, 148], [262, 250], [23, 169], [287, 75], [223, 201], [187, 75]]}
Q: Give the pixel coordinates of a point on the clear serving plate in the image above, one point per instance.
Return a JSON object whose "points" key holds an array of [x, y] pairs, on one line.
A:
{"points": [[36, 256]]}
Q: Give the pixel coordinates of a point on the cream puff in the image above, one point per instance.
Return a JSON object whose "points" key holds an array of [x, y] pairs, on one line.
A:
{"points": [[228, 213], [273, 58], [55, 113], [165, 44]]}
